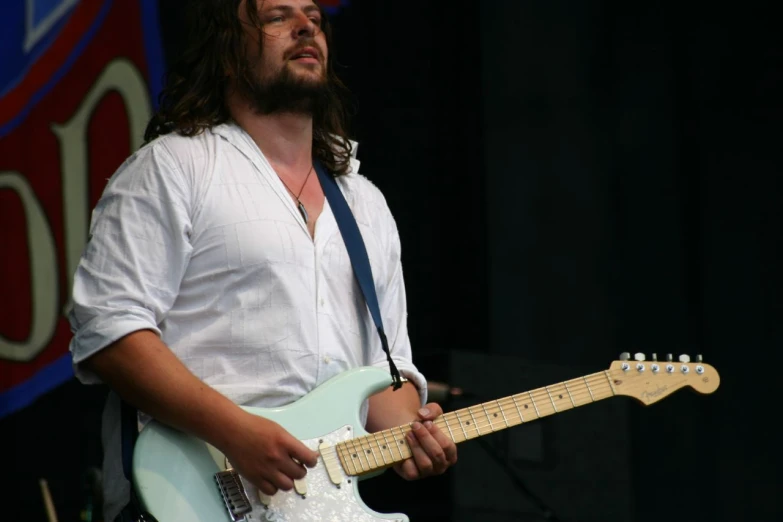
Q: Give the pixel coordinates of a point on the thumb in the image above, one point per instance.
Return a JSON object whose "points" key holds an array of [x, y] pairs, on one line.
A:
{"points": [[303, 454], [430, 411]]}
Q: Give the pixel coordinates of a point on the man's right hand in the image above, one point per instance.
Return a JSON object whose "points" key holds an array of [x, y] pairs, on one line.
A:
{"points": [[268, 456], [144, 372]]}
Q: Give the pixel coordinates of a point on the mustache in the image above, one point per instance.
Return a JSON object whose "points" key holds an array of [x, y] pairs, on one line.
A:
{"points": [[309, 43]]}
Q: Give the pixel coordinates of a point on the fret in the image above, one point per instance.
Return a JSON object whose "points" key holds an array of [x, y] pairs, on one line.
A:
{"points": [[550, 398], [533, 402], [474, 422], [446, 422], [380, 447], [569, 394], [364, 444], [368, 451], [357, 454], [556, 392], [462, 425], [503, 414], [521, 417], [394, 443], [351, 458], [611, 384], [375, 446], [402, 444], [390, 446], [363, 452], [588, 389], [484, 407], [345, 456]]}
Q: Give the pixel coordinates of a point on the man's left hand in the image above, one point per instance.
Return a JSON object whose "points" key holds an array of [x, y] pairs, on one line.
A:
{"points": [[433, 452]]}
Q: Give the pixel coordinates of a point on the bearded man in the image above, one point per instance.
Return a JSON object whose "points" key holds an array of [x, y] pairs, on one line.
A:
{"points": [[215, 275]]}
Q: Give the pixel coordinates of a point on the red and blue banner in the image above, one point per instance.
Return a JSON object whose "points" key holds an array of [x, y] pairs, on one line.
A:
{"points": [[332, 6], [78, 82]]}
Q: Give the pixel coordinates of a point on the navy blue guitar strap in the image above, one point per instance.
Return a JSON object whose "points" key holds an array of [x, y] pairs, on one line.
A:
{"points": [[358, 254]]}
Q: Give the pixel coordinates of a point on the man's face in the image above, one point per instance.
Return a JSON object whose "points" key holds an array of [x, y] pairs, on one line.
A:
{"points": [[289, 63]]}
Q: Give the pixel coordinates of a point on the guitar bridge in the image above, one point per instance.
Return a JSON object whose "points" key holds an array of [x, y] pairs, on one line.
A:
{"points": [[233, 493]]}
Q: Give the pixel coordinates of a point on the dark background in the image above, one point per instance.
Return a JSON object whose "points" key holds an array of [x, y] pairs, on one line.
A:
{"points": [[571, 180]]}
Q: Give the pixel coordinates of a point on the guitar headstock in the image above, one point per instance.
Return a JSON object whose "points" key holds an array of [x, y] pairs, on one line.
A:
{"points": [[653, 380]]}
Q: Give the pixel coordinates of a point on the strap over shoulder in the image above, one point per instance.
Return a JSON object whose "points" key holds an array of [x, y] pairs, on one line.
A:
{"points": [[357, 252]]}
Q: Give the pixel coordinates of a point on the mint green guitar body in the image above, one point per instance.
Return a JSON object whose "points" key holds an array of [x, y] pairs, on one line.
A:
{"points": [[174, 473]]}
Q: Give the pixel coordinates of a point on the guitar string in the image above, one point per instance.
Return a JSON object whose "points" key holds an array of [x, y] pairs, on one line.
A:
{"points": [[545, 394], [570, 399], [476, 429], [364, 444]]}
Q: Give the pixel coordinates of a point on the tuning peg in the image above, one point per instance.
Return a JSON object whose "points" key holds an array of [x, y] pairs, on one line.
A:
{"points": [[639, 356], [684, 358], [669, 357], [625, 356], [699, 359], [655, 357]]}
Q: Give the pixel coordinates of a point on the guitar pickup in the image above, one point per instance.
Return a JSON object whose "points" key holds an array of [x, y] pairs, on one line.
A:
{"points": [[233, 493], [332, 464]]}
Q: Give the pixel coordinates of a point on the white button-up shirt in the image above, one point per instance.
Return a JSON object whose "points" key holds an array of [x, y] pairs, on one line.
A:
{"points": [[198, 240]]}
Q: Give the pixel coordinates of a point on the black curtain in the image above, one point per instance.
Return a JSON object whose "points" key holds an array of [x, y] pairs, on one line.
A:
{"points": [[634, 204]]}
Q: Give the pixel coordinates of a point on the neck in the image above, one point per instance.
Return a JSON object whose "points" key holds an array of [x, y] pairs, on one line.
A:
{"points": [[286, 139], [381, 449]]}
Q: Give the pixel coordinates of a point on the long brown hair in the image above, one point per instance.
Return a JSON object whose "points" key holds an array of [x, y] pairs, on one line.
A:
{"points": [[194, 97]]}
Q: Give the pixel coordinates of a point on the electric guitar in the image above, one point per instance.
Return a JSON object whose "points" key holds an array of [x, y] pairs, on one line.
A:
{"points": [[180, 478]]}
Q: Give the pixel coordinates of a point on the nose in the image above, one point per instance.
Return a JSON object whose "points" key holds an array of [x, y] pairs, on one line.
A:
{"points": [[303, 26]]}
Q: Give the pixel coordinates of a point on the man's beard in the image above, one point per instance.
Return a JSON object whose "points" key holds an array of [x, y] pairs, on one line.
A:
{"points": [[285, 93]]}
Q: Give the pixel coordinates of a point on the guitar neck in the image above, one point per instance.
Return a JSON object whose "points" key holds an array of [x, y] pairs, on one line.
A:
{"points": [[384, 448]]}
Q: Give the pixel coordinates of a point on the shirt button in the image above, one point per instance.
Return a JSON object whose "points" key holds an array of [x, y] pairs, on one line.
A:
{"points": [[322, 303], [327, 359]]}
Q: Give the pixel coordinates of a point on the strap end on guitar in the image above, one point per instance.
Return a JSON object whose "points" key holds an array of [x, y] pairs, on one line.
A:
{"points": [[397, 379]]}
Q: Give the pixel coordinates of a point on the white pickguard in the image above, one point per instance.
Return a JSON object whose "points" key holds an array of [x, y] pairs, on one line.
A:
{"points": [[324, 501]]}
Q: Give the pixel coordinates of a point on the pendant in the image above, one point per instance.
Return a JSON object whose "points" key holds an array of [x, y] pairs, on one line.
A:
{"points": [[302, 211]]}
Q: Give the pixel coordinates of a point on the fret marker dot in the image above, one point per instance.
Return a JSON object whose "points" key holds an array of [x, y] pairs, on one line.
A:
{"points": [[559, 396]]}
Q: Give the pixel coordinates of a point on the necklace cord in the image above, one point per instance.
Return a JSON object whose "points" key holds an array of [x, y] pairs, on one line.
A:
{"points": [[303, 184], [299, 203]]}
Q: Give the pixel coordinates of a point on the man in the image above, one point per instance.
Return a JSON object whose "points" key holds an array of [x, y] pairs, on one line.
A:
{"points": [[215, 274]]}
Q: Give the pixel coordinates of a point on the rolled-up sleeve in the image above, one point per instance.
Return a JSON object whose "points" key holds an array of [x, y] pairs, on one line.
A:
{"points": [[394, 309], [136, 254]]}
